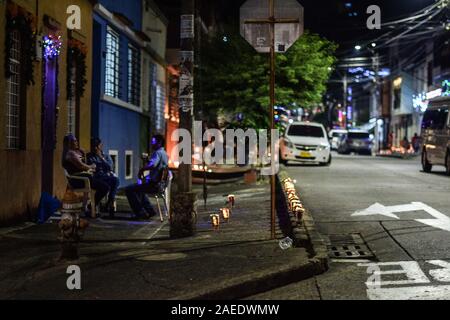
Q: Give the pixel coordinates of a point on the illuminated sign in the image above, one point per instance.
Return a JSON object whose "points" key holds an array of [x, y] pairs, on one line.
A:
{"points": [[434, 94]]}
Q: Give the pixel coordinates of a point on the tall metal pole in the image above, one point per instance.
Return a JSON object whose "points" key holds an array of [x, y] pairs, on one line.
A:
{"points": [[186, 45], [183, 217], [272, 117], [345, 104]]}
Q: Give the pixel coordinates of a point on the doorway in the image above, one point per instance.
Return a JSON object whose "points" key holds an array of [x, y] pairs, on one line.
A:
{"points": [[49, 102]]}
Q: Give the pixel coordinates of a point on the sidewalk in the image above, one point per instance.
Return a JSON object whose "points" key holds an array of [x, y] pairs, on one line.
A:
{"points": [[123, 259]]}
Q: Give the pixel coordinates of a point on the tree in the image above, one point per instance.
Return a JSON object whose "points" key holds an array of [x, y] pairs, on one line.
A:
{"points": [[232, 78]]}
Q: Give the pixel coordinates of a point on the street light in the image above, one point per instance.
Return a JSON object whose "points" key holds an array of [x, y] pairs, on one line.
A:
{"points": [[358, 47], [373, 44]]}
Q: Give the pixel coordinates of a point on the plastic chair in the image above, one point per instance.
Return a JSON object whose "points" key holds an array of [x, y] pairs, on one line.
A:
{"points": [[164, 192], [88, 192]]}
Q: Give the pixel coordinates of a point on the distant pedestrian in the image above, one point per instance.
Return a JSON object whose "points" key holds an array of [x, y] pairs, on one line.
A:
{"points": [[390, 140], [416, 143], [405, 143]]}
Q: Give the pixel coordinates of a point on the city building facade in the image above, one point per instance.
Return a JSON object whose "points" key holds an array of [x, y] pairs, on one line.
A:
{"points": [[46, 89]]}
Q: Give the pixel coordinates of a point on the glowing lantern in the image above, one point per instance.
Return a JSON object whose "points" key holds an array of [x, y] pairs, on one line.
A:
{"points": [[231, 199], [215, 221], [225, 214]]}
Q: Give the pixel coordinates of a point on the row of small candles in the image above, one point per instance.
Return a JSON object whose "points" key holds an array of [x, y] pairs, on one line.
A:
{"points": [[225, 213], [295, 204]]}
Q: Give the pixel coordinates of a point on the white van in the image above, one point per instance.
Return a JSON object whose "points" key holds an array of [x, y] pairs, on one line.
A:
{"points": [[436, 135]]}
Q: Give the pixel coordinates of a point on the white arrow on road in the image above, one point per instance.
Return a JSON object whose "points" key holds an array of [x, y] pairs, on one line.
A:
{"points": [[441, 221]]}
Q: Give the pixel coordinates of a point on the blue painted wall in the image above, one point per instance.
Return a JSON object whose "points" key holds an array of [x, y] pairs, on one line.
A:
{"points": [[132, 9], [118, 127]]}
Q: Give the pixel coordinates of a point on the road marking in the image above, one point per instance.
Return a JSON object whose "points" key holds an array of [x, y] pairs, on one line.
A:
{"points": [[410, 269], [401, 289], [411, 293], [441, 221]]}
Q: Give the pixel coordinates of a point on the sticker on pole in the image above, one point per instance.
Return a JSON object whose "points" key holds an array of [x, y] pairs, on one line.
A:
{"points": [[186, 94], [187, 26], [255, 24]]}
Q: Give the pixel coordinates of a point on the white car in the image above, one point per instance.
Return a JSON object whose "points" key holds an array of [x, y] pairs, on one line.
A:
{"points": [[305, 142], [335, 136]]}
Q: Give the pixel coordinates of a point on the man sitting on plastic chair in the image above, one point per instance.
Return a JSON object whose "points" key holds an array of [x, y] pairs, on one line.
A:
{"points": [[150, 184]]}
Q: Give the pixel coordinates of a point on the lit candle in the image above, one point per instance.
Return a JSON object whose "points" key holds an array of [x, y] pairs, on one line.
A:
{"points": [[295, 202], [231, 199], [292, 196], [215, 220], [298, 208], [225, 214]]}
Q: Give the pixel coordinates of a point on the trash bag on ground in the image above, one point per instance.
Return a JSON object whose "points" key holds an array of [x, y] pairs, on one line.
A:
{"points": [[48, 205]]}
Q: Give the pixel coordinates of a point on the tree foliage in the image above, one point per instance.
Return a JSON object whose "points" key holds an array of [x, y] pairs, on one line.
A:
{"points": [[232, 78]]}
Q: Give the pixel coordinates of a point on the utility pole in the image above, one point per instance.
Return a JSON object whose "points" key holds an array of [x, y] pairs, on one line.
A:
{"points": [[345, 104], [183, 217], [272, 116], [376, 67]]}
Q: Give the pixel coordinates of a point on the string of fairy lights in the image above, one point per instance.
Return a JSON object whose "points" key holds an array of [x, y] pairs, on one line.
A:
{"points": [[52, 45]]}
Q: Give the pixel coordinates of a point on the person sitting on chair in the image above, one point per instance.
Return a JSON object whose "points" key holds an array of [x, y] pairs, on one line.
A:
{"points": [[136, 193], [73, 160], [104, 172]]}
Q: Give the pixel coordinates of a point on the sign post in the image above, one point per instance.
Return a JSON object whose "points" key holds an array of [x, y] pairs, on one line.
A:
{"points": [[271, 26], [182, 222]]}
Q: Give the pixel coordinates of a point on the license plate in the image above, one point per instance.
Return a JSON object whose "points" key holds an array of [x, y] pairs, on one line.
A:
{"points": [[305, 154]]}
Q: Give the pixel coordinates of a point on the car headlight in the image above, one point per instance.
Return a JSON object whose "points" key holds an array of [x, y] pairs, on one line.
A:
{"points": [[288, 144], [322, 148]]}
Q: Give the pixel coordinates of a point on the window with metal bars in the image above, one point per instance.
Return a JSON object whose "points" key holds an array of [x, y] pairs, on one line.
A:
{"points": [[13, 94], [112, 69], [134, 76], [160, 106], [72, 104], [152, 89]]}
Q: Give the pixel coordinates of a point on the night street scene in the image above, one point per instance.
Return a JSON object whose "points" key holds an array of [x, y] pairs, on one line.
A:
{"points": [[189, 151]]}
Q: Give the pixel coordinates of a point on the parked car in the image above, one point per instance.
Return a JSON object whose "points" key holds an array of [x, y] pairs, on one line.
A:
{"points": [[358, 141], [305, 142], [335, 137], [436, 135]]}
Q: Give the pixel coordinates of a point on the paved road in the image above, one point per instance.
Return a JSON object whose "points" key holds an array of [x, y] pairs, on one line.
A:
{"points": [[354, 183]]}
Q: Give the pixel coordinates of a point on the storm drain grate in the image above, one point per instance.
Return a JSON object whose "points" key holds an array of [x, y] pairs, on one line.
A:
{"points": [[348, 246]]}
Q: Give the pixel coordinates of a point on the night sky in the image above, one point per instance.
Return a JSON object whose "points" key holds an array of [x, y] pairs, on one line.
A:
{"points": [[333, 19]]}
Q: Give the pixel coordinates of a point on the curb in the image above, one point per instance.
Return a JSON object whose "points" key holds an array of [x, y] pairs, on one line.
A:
{"points": [[252, 284], [398, 156], [306, 235]]}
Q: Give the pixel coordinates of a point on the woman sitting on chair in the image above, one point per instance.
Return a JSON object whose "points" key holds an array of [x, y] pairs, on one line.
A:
{"points": [[73, 160], [104, 172]]}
